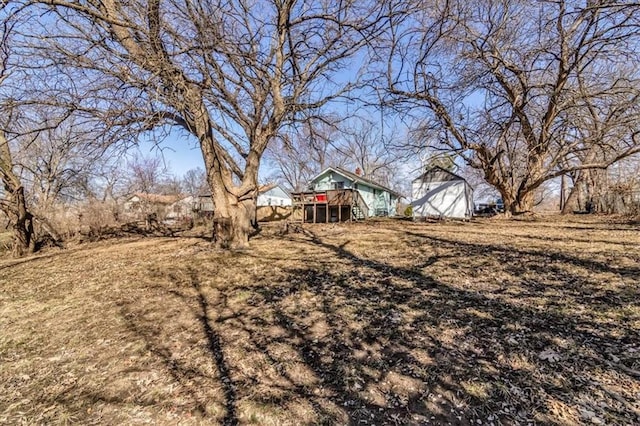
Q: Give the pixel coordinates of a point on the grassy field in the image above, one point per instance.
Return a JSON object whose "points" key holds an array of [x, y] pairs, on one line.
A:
{"points": [[487, 322]]}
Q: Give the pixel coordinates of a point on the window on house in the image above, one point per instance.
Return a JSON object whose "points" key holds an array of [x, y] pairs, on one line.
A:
{"points": [[338, 185]]}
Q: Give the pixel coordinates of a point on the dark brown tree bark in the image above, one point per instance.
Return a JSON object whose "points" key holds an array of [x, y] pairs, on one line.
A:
{"points": [[24, 236], [14, 204]]}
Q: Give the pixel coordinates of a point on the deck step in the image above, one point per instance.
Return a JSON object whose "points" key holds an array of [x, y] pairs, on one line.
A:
{"points": [[357, 213]]}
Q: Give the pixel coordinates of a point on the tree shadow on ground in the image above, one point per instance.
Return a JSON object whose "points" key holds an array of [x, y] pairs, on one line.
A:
{"points": [[192, 376], [586, 238], [511, 259], [475, 363], [348, 339]]}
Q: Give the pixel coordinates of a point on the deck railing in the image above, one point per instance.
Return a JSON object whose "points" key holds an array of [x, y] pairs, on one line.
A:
{"points": [[333, 197]]}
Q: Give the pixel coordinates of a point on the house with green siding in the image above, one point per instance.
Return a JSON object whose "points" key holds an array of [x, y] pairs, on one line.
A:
{"points": [[337, 195]]}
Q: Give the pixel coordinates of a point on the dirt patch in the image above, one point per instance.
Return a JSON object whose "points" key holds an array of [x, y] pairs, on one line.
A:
{"points": [[492, 321]]}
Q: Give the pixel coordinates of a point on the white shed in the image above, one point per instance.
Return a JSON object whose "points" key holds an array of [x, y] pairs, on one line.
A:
{"points": [[272, 195], [442, 194]]}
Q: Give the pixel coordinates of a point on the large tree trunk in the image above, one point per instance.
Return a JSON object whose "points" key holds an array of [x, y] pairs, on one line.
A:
{"points": [[519, 203], [15, 205], [234, 205], [595, 183], [523, 203], [587, 184], [233, 220], [24, 241], [20, 219], [574, 201]]}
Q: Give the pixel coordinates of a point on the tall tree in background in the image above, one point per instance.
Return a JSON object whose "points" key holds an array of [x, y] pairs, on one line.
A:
{"points": [[301, 155], [604, 129], [47, 160], [506, 81], [364, 147], [350, 143], [230, 73], [145, 174], [194, 182], [54, 161]]}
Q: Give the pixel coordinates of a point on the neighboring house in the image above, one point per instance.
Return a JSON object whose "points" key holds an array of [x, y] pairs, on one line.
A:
{"points": [[181, 209], [273, 195], [190, 207], [203, 206], [442, 194], [338, 195], [142, 204]]}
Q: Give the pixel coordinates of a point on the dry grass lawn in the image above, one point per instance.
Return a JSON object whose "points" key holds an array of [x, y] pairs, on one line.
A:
{"points": [[390, 322], [5, 241]]}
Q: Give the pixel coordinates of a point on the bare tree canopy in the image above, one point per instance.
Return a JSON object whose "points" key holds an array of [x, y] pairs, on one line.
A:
{"points": [[524, 91], [364, 146], [146, 174], [298, 156], [232, 74], [194, 182], [353, 143]]}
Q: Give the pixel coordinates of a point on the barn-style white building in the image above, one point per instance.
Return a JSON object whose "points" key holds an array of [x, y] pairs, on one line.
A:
{"points": [[442, 194]]}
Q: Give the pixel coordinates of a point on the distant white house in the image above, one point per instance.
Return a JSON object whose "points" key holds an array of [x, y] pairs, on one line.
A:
{"points": [[442, 194], [273, 195]]}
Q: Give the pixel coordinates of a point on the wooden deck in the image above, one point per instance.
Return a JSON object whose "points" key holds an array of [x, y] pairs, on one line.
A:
{"points": [[333, 205]]}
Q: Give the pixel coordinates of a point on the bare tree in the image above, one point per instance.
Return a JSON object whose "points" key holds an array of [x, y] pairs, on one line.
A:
{"points": [[612, 190], [107, 180], [354, 143], [604, 130], [145, 174], [47, 154], [194, 182], [231, 74], [364, 147], [171, 185], [54, 162], [52, 158], [301, 155], [510, 85]]}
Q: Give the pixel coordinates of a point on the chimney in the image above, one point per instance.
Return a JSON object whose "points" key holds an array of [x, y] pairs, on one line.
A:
{"points": [[358, 171]]}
